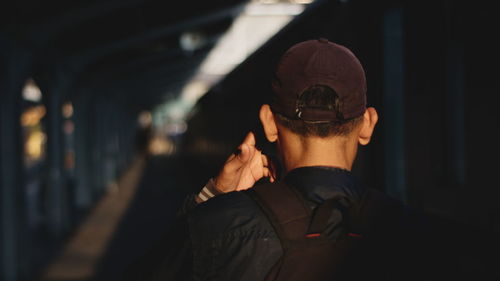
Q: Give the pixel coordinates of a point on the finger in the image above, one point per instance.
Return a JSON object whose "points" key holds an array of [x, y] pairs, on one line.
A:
{"points": [[249, 139], [236, 161], [256, 165], [230, 158], [265, 172], [245, 154], [268, 174], [265, 161]]}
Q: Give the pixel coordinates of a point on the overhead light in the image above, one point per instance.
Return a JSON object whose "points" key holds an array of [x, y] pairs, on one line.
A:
{"points": [[144, 119], [33, 115], [302, 1], [278, 9], [267, 1], [67, 110], [31, 91], [192, 40]]}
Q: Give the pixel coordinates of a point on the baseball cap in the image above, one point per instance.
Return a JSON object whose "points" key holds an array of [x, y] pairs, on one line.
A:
{"points": [[319, 62]]}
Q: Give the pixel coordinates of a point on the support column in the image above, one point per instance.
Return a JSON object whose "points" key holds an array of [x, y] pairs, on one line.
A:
{"points": [[394, 104], [455, 99], [97, 147], [83, 192], [57, 193], [14, 71]]}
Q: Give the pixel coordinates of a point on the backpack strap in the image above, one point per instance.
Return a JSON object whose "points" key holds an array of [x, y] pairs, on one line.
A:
{"points": [[289, 214], [322, 214], [286, 210]]}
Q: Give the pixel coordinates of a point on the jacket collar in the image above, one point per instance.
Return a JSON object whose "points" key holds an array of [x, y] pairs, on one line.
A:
{"points": [[318, 183]]}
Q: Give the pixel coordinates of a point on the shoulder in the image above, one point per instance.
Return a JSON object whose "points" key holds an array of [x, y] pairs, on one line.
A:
{"points": [[234, 211], [222, 204]]}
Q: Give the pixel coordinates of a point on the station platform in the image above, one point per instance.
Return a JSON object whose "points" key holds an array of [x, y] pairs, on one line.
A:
{"points": [[123, 224]]}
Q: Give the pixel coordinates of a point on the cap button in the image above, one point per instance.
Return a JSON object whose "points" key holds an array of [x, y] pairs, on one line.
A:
{"points": [[323, 40]]}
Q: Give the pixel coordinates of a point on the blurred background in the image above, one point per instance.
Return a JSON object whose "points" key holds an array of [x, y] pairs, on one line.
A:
{"points": [[112, 111]]}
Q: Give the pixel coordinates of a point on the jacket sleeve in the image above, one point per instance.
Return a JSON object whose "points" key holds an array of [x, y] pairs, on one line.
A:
{"points": [[170, 258], [188, 204]]}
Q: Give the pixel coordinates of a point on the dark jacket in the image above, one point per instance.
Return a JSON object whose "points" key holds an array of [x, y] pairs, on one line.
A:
{"points": [[229, 238]]}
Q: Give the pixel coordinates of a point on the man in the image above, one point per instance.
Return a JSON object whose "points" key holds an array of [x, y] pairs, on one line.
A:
{"points": [[317, 120]]}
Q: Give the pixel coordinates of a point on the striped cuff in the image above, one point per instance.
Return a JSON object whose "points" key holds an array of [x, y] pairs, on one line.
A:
{"points": [[208, 191]]}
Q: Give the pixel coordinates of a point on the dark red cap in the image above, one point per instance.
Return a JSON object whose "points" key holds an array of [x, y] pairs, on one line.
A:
{"points": [[319, 62]]}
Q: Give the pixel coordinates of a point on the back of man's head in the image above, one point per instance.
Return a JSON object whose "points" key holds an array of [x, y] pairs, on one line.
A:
{"points": [[320, 89]]}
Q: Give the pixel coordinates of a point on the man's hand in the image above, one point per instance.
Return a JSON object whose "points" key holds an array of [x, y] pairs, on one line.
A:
{"points": [[244, 168]]}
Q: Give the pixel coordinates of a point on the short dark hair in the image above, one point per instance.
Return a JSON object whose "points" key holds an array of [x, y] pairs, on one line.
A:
{"points": [[319, 96]]}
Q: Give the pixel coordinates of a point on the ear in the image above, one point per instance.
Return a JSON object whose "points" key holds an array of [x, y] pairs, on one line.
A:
{"points": [[370, 118], [268, 123]]}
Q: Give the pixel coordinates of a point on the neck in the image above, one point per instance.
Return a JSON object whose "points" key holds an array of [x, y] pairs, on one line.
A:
{"points": [[299, 151]]}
